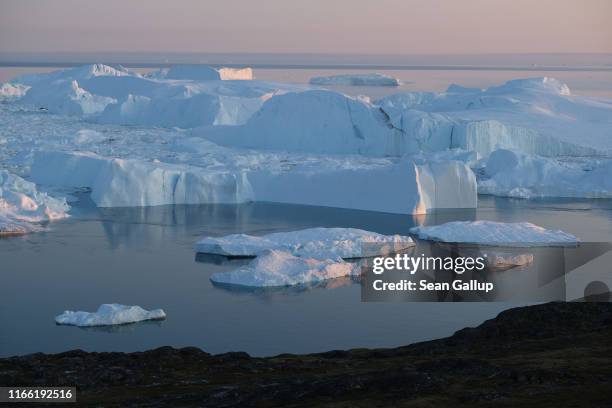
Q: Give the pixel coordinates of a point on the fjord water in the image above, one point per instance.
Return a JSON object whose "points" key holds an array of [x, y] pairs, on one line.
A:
{"points": [[145, 256]]}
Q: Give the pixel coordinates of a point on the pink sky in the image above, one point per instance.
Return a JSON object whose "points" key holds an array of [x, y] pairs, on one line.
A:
{"points": [[334, 26]]}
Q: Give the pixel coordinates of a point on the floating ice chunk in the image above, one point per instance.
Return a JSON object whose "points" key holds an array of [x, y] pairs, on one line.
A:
{"points": [[243, 74], [281, 268], [521, 234], [313, 242], [498, 261], [12, 91], [513, 174], [108, 315], [356, 80], [23, 207]]}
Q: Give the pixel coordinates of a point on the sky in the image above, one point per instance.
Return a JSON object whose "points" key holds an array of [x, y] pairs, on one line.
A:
{"points": [[313, 26]]}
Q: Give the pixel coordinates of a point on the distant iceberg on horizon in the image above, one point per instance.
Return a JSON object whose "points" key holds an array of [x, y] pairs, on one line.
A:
{"points": [[356, 80]]}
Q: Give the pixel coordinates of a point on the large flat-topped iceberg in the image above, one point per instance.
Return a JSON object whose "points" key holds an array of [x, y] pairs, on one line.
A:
{"points": [[132, 183], [405, 187], [356, 80], [108, 315], [535, 116], [313, 242], [513, 174], [23, 208], [280, 268], [520, 234]]}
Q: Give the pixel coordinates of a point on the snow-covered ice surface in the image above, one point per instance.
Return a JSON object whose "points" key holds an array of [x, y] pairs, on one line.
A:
{"points": [[514, 174], [356, 80], [534, 116], [281, 268], [312, 242], [520, 234], [23, 208], [108, 315], [210, 136]]}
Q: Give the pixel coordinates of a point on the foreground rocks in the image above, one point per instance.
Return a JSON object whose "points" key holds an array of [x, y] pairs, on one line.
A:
{"points": [[556, 354]]}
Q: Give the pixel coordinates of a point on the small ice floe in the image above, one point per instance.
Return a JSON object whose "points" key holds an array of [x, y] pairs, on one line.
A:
{"points": [[521, 234], [108, 315], [312, 242], [356, 80], [281, 268], [502, 261]]}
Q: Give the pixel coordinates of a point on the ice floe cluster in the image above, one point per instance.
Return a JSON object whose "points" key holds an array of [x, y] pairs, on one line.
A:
{"points": [[108, 315], [302, 257], [198, 134], [23, 208]]}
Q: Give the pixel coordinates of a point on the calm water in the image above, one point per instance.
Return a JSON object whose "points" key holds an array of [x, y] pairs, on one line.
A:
{"points": [[145, 256]]}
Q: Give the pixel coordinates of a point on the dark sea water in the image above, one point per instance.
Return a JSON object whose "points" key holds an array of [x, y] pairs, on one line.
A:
{"points": [[145, 256]]}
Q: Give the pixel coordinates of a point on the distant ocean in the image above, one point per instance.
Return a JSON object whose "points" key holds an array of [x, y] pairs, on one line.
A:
{"points": [[586, 74]]}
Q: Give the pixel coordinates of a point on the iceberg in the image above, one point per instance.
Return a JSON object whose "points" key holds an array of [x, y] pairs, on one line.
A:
{"points": [[108, 315], [534, 116], [356, 80], [313, 242], [12, 91], [281, 268], [406, 187], [132, 183], [343, 125], [202, 73], [498, 261], [182, 96], [513, 174], [521, 234], [66, 97], [331, 182], [23, 208]]}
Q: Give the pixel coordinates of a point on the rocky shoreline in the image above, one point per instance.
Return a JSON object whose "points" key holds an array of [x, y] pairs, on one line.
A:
{"points": [[555, 354]]}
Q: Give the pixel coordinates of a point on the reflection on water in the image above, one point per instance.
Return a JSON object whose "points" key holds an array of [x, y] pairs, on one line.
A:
{"points": [[145, 256], [119, 328]]}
